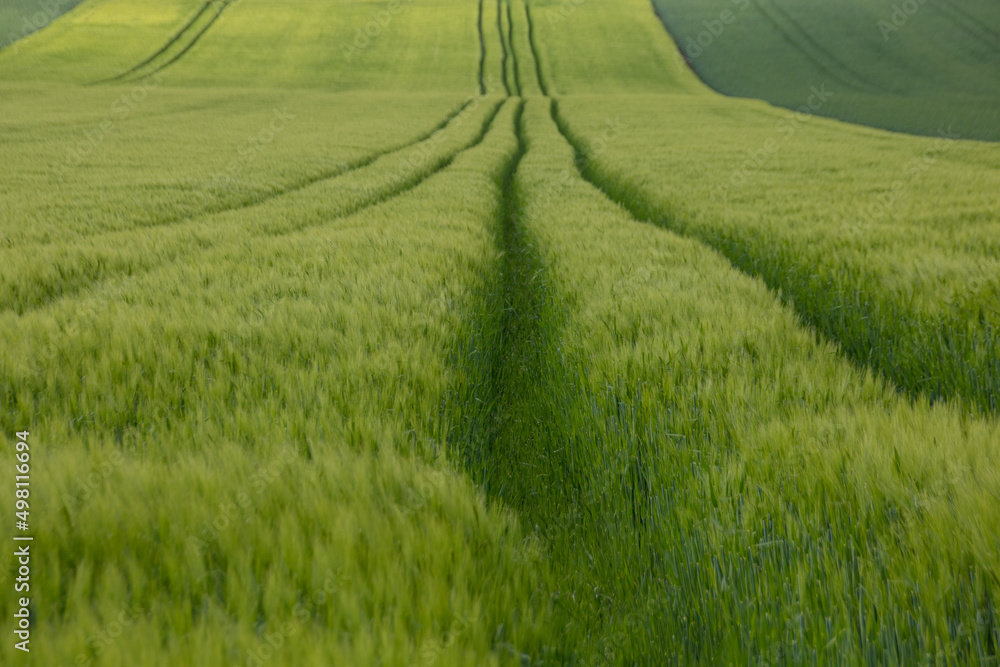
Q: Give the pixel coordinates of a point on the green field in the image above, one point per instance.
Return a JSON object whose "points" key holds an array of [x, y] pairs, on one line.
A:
{"points": [[919, 66], [484, 333], [20, 18]]}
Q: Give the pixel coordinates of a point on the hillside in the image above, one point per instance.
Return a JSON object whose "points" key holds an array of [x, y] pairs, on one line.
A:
{"points": [[919, 67]]}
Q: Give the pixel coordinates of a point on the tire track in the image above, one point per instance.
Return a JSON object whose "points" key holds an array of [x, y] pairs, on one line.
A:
{"points": [[967, 24], [859, 83], [503, 48], [173, 40], [978, 23], [482, 50], [70, 286], [513, 377], [253, 200], [534, 51], [225, 4], [515, 65], [741, 259]]}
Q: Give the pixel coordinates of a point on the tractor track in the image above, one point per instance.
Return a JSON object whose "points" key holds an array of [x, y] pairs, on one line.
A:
{"points": [[534, 51], [503, 49], [804, 43], [967, 24], [978, 23], [295, 187], [622, 195], [70, 287], [173, 40], [133, 73], [515, 65], [197, 37], [482, 50]]}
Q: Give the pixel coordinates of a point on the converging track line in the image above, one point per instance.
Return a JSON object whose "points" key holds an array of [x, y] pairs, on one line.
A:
{"points": [[482, 50], [74, 284], [133, 73], [373, 199], [173, 40], [503, 48]]}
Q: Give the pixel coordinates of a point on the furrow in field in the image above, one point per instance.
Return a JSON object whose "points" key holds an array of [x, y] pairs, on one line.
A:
{"points": [[222, 7], [78, 266], [799, 39], [534, 51], [170, 42], [260, 199], [509, 373], [824, 53], [515, 65], [503, 48], [838, 321], [967, 24], [482, 50], [277, 350], [973, 21], [689, 392], [952, 357]]}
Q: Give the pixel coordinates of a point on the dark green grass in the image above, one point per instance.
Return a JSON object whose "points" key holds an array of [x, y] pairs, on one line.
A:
{"points": [[920, 72], [20, 18]]}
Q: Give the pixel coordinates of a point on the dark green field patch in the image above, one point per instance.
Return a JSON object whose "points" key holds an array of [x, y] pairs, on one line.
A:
{"points": [[919, 66]]}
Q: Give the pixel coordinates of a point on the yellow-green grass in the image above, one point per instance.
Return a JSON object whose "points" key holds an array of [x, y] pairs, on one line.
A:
{"points": [[373, 45], [178, 153], [50, 268], [717, 486], [885, 243], [247, 449], [407, 389], [98, 39]]}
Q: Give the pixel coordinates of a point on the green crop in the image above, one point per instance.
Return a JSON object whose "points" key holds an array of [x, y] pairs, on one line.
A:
{"points": [[907, 65], [483, 333]]}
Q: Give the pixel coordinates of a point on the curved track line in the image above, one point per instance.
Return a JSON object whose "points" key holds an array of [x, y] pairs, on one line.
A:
{"points": [[634, 209], [300, 185], [817, 61], [516, 68], [534, 51], [374, 199], [979, 23], [173, 40], [503, 49], [967, 24], [225, 4], [824, 52], [482, 50], [247, 204]]}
